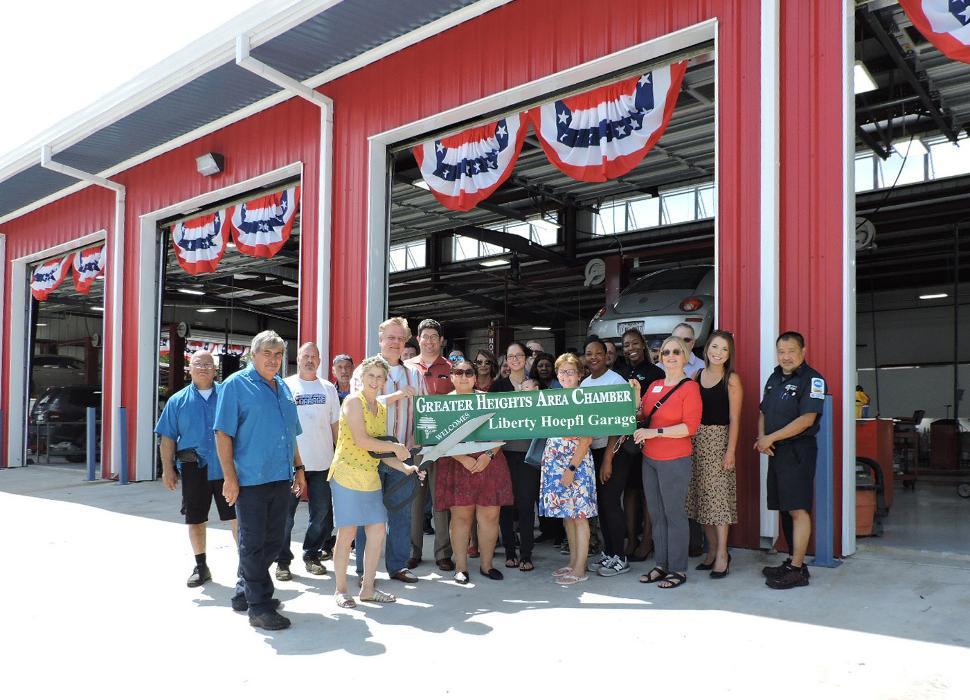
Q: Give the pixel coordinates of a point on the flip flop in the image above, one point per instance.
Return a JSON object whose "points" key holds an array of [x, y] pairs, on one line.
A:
{"points": [[561, 571], [344, 600], [379, 597], [569, 579]]}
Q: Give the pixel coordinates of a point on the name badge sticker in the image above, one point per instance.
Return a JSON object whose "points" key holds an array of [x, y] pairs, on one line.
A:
{"points": [[658, 389], [818, 388]]}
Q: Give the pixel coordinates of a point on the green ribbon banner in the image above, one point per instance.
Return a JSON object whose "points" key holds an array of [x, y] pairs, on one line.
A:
{"points": [[594, 411]]}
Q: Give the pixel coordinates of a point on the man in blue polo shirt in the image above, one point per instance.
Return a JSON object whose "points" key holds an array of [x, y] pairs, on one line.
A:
{"points": [[256, 425], [188, 446]]}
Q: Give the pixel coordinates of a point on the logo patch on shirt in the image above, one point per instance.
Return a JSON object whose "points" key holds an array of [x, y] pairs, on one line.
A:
{"points": [[310, 399], [818, 388]]}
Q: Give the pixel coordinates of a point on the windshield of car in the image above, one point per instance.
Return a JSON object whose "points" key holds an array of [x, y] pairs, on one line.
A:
{"points": [[679, 278]]}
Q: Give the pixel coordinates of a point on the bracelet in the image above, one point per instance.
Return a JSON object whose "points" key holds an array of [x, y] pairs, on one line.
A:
{"points": [[298, 467], [571, 468]]}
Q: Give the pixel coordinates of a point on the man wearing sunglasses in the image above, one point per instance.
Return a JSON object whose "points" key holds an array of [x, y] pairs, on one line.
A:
{"points": [[436, 371], [188, 445], [685, 332]]}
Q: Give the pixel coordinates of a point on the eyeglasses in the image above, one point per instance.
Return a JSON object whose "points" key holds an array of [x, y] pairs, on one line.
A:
{"points": [[466, 372], [686, 340], [520, 356], [567, 372], [202, 367], [483, 362], [671, 351]]}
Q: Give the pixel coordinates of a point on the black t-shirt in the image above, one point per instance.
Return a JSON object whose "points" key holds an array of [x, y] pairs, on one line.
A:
{"points": [[646, 373], [788, 397]]}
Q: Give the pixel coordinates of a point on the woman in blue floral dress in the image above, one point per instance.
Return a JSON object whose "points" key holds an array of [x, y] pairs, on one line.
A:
{"points": [[568, 488]]}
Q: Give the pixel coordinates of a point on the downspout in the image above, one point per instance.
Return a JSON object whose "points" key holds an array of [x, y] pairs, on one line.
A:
{"points": [[325, 185], [117, 276]]}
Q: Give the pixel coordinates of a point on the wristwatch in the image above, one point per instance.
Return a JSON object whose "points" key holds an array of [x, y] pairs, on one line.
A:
{"points": [[660, 431], [489, 453], [571, 468], [298, 467]]}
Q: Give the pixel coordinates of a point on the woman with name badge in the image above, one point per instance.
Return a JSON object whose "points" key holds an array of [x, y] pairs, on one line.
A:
{"points": [[569, 484], [473, 487], [355, 484], [671, 409], [525, 478]]}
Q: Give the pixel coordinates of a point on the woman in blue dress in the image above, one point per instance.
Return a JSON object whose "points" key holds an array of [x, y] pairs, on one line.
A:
{"points": [[568, 488]]}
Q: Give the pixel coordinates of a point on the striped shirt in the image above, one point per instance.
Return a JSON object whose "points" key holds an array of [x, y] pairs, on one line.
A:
{"points": [[400, 415]]}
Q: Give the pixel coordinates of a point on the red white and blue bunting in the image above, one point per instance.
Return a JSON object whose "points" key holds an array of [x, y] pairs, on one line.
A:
{"points": [[945, 24], [466, 168], [48, 276], [87, 265], [199, 243], [604, 133], [261, 226]]}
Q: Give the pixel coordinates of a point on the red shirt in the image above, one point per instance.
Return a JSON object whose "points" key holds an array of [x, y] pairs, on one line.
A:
{"points": [[683, 407], [437, 376]]}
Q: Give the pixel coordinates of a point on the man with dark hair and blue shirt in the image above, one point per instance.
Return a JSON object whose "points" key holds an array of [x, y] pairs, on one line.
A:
{"points": [[791, 409], [188, 446], [256, 425]]}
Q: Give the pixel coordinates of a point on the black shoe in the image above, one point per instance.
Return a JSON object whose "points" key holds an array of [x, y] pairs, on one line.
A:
{"points": [[314, 566], [776, 571], [239, 603], [326, 554], [200, 574], [790, 578], [270, 620], [283, 572], [428, 530]]}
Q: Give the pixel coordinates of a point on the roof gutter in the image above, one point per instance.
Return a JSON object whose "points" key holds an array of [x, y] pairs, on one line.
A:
{"points": [[324, 190], [116, 308]]}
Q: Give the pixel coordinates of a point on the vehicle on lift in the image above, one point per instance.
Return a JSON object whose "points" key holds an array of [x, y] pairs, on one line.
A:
{"points": [[54, 371], [56, 424], [659, 301]]}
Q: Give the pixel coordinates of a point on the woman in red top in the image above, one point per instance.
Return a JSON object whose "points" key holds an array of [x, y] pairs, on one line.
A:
{"points": [[667, 462]]}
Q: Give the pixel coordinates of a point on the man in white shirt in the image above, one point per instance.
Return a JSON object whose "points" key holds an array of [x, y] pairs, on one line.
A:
{"points": [[685, 332], [403, 384], [318, 408]]}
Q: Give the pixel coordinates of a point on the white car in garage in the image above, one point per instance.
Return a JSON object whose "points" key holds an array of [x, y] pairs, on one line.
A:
{"points": [[656, 303]]}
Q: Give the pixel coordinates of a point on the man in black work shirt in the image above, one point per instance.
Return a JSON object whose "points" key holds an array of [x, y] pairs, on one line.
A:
{"points": [[790, 411]]}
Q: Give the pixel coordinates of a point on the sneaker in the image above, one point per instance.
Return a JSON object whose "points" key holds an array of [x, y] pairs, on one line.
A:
{"points": [[313, 566], [776, 571], [283, 572], [200, 575], [239, 603], [595, 561], [791, 577], [271, 620], [326, 555], [614, 566]]}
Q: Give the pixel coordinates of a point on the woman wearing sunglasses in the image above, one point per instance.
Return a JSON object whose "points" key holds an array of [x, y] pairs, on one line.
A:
{"points": [[671, 409], [569, 484], [486, 369], [525, 478], [472, 487]]}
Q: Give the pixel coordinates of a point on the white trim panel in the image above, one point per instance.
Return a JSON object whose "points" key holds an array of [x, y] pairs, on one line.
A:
{"points": [[848, 282], [770, 220], [324, 235]]}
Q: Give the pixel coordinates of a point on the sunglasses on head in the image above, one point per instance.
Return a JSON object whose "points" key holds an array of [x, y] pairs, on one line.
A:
{"points": [[466, 372], [670, 351]]}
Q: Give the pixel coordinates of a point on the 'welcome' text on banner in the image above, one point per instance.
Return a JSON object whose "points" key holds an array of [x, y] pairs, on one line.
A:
{"points": [[602, 410]]}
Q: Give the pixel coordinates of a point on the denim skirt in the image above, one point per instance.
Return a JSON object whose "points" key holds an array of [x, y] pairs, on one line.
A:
{"points": [[351, 508]]}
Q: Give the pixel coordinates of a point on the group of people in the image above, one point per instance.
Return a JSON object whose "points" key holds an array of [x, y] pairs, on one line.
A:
{"points": [[257, 443]]}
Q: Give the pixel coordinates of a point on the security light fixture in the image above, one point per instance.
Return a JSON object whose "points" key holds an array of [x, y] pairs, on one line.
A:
{"points": [[186, 290], [864, 81], [494, 263], [938, 295], [206, 311], [210, 164], [541, 328], [97, 308]]}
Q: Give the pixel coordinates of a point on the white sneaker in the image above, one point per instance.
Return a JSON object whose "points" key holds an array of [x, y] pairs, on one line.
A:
{"points": [[596, 561], [614, 566]]}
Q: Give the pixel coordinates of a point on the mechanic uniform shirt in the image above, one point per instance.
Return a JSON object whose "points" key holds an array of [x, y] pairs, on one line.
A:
{"points": [[188, 418], [785, 399]]}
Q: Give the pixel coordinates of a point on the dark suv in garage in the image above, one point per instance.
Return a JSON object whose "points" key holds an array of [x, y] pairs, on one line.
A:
{"points": [[56, 423]]}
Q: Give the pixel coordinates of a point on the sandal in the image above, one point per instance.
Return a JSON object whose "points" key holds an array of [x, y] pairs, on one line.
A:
{"points": [[526, 565], [672, 580], [379, 597], [461, 577], [511, 561], [569, 579], [493, 574], [562, 571], [344, 600], [650, 578]]}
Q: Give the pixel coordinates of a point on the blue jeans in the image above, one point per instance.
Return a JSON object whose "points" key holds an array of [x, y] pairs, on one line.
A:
{"points": [[260, 516], [318, 502], [398, 540]]}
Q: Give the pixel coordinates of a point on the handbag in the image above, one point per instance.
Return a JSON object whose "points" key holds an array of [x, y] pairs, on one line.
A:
{"points": [[645, 422], [533, 456]]}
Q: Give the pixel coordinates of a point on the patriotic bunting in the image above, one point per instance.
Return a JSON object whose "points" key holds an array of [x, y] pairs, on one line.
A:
{"points": [[261, 226], [604, 133], [200, 242], [945, 24], [48, 276], [464, 169], [87, 265]]}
